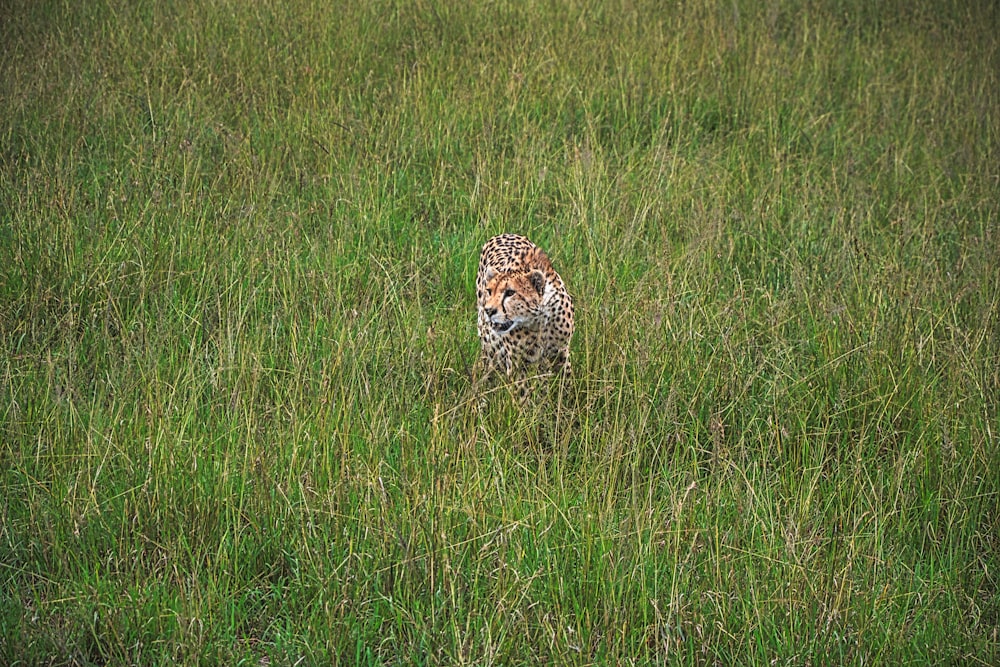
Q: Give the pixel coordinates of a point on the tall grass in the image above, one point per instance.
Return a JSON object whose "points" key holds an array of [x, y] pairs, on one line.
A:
{"points": [[237, 249]]}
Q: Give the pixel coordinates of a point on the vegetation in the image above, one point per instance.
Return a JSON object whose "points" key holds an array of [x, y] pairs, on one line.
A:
{"points": [[237, 251]]}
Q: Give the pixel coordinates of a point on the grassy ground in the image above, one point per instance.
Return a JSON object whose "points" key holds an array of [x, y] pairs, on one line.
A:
{"points": [[237, 252]]}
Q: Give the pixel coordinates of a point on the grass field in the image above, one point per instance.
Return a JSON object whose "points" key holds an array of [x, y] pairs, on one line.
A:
{"points": [[238, 243]]}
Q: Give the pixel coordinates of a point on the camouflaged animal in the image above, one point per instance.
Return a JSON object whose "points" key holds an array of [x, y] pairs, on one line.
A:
{"points": [[525, 312]]}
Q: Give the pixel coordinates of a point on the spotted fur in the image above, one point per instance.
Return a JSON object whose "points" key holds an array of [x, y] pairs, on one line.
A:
{"points": [[525, 312]]}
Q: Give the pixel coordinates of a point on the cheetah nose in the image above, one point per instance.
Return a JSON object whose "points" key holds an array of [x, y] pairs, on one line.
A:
{"points": [[490, 312]]}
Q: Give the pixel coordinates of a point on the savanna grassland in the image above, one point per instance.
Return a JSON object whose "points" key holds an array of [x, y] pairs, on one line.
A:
{"points": [[238, 243]]}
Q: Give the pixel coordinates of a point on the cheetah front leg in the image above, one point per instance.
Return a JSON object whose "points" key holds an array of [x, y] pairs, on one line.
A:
{"points": [[492, 366], [562, 365]]}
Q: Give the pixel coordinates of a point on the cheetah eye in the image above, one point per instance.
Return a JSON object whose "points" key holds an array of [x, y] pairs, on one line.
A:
{"points": [[508, 292]]}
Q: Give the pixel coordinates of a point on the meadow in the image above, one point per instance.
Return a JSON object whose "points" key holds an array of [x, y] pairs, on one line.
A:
{"points": [[238, 242]]}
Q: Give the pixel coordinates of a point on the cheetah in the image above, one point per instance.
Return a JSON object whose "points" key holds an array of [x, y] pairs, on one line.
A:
{"points": [[525, 312]]}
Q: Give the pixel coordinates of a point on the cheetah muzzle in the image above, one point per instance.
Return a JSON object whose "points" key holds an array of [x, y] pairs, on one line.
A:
{"points": [[501, 327]]}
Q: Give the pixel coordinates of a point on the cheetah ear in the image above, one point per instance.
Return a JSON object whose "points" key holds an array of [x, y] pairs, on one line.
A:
{"points": [[489, 273], [539, 260], [537, 278]]}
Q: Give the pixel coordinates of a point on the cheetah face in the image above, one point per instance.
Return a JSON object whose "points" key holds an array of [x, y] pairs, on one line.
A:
{"points": [[513, 299]]}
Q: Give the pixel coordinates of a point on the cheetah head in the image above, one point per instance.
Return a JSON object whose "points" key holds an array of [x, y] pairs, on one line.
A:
{"points": [[513, 298]]}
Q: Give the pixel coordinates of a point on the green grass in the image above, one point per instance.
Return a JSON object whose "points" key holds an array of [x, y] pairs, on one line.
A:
{"points": [[237, 252]]}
